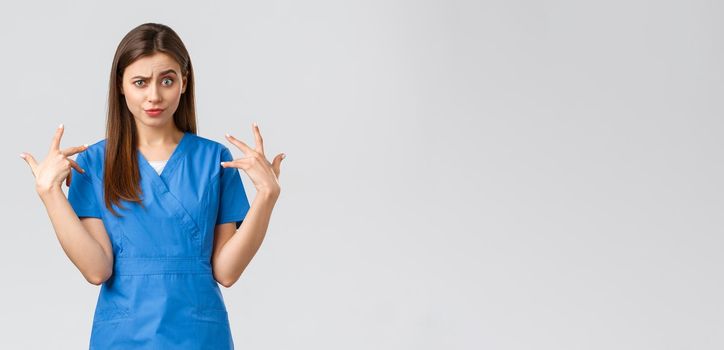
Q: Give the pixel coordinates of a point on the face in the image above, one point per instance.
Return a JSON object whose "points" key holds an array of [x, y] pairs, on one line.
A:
{"points": [[153, 83]]}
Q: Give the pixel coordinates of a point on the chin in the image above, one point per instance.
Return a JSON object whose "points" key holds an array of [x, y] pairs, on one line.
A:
{"points": [[154, 122]]}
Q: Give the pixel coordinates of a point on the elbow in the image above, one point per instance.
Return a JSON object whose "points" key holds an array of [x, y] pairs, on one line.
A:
{"points": [[98, 279], [225, 281], [95, 280]]}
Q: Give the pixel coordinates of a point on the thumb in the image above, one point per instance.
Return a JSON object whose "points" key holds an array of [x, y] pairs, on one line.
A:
{"points": [[277, 162], [30, 160]]}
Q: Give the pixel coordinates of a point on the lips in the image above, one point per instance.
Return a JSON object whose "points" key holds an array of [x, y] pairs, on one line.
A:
{"points": [[154, 112]]}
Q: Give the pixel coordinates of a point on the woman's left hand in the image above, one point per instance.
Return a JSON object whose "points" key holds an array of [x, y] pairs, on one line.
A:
{"points": [[263, 174]]}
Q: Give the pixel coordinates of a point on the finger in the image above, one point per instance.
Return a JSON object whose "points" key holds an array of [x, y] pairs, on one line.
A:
{"points": [[73, 150], [240, 144], [67, 179], [55, 145], [257, 137], [276, 164], [241, 163], [30, 160], [76, 166]]}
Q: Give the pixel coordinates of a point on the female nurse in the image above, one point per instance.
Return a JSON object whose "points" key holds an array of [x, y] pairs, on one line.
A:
{"points": [[155, 214]]}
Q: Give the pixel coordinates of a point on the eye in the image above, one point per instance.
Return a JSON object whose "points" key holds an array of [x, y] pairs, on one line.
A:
{"points": [[170, 81], [137, 81]]}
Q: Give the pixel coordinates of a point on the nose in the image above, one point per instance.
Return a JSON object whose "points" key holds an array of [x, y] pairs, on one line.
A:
{"points": [[153, 94]]}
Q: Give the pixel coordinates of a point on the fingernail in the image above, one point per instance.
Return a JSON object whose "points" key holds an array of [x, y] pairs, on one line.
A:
{"points": [[256, 125], [85, 145], [227, 135], [22, 155], [82, 170], [222, 163], [284, 155], [60, 126]]}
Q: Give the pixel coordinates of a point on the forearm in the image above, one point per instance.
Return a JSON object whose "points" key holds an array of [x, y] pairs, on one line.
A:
{"points": [[83, 250], [238, 251]]}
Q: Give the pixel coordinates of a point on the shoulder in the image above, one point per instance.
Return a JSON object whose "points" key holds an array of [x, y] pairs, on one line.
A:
{"points": [[208, 147], [211, 153], [95, 151], [91, 160]]}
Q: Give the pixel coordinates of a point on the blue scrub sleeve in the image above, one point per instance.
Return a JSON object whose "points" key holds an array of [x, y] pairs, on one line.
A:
{"points": [[81, 194], [233, 204]]}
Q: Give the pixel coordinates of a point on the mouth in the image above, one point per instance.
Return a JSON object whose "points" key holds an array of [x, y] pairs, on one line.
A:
{"points": [[153, 112]]}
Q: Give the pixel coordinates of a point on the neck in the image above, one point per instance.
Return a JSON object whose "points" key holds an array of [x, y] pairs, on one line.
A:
{"points": [[158, 136]]}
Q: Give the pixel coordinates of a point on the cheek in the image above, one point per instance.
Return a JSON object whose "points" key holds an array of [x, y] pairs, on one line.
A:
{"points": [[133, 99], [172, 95]]}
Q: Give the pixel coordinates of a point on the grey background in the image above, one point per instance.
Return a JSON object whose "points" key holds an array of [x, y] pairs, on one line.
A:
{"points": [[459, 175]]}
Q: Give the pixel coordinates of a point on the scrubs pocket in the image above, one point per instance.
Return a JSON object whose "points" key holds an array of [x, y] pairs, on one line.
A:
{"points": [[111, 314], [212, 315]]}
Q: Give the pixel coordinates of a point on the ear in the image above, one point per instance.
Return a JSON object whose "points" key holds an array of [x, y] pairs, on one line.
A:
{"points": [[183, 85], [120, 87]]}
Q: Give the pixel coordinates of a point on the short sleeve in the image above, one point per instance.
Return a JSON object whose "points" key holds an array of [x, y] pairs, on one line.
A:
{"points": [[233, 204], [81, 194]]}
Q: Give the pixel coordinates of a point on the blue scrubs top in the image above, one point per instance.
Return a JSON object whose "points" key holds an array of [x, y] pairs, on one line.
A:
{"points": [[162, 294]]}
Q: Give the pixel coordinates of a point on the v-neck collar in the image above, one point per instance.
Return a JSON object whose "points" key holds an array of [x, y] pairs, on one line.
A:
{"points": [[172, 160]]}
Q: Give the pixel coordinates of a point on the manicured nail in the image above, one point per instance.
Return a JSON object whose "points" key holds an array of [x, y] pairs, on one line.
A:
{"points": [[284, 155], [85, 145], [227, 135], [256, 125], [22, 155], [60, 126]]}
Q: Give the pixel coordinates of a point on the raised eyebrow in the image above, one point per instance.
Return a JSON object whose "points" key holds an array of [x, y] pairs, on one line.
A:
{"points": [[162, 73], [168, 71]]}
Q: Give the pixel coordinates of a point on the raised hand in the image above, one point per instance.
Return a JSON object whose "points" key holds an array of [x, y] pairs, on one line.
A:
{"points": [[51, 172], [263, 174]]}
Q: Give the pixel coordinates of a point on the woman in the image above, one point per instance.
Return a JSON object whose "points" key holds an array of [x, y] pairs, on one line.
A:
{"points": [[156, 214]]}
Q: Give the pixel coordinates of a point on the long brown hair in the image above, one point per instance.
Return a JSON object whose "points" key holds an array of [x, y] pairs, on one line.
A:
{"points": [[121, 179]]}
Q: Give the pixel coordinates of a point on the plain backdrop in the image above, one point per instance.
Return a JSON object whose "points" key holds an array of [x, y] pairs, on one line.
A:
{"points": [[459, 174]]}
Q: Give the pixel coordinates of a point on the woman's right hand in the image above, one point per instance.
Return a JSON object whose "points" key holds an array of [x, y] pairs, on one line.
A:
{"points": [[55, 168]]}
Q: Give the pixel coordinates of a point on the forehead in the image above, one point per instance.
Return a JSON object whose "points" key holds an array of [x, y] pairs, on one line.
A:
{"points": [[152, 65]]}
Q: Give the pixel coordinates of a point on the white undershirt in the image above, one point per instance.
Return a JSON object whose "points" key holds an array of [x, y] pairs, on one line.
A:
{"points": [[158, 165]]}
